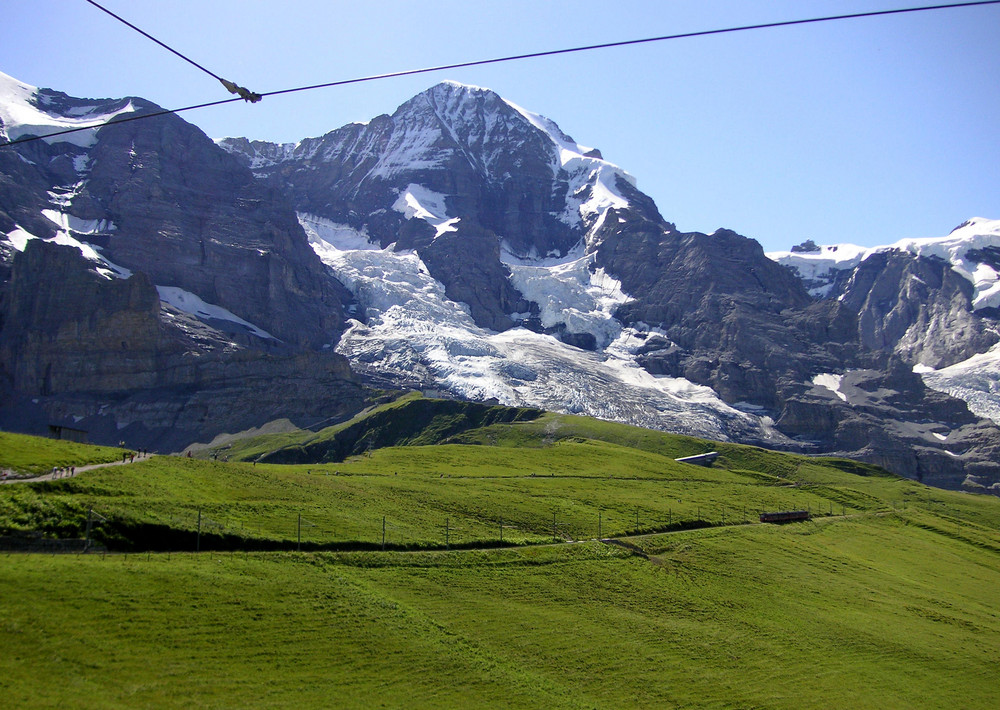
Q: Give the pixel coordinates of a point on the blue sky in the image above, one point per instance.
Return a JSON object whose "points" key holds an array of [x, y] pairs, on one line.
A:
{"points": [[864, 131]]}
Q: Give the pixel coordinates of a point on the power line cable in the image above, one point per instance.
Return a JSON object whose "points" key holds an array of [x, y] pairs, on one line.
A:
{"points": [[151, 37], [533, 55], [624, 43], [231, 87]]}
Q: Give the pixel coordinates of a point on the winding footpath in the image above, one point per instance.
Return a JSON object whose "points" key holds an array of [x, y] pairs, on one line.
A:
{"points": [[64, 473]]}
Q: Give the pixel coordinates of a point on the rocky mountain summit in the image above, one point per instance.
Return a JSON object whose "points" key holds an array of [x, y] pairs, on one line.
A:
{"points": [[468, 246]]}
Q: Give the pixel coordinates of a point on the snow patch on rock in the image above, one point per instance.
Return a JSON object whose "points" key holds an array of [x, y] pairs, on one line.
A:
{"points": [[67, 225], [418, 202], [22, 115], [190, 303], [831, 382]]}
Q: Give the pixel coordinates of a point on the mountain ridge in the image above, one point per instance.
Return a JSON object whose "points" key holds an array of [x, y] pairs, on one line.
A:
{"points": [[467, 245]]}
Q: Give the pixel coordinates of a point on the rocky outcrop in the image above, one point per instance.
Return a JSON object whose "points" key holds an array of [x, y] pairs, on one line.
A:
{"points": [[882, 417], [104, 355], [191, 216], [734, 320], [68, 328], [916, 307], [478, 278]]}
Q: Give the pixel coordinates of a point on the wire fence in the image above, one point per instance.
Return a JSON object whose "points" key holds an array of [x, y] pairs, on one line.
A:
{"points": [[197, 532]]}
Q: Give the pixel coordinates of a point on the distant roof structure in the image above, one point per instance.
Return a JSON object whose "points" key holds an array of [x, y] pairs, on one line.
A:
{"points": [[700, 459]]}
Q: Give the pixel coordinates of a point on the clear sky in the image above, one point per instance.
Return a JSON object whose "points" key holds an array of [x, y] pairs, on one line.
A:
{"points": [[864, 131]]}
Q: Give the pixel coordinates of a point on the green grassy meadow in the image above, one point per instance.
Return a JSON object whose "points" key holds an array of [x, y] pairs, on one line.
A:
{"points": [[23, 455], [452, 494], [874, 612], [887, 598]]}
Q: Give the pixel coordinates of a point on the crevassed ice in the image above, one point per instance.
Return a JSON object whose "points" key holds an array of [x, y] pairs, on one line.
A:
{"points": [[976, 381], [412, 330], [571, 292]]}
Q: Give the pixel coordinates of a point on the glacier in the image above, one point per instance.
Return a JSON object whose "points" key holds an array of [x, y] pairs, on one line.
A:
{"points": [[410, 331]]}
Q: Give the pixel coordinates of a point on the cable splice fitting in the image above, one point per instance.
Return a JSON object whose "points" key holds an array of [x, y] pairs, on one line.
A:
{"points": [[241, 91]]}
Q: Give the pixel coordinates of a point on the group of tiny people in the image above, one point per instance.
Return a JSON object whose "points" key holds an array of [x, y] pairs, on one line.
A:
{"points": [[129, 456], [69, 471]]}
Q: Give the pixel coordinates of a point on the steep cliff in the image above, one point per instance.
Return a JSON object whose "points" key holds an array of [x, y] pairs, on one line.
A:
{"points": [[105, 355]]}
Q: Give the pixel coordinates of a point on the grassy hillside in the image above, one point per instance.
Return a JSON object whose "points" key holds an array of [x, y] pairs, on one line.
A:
{"points": [[452, 494], [30, 455], [861, 613], [411, 420], [886, 599]]}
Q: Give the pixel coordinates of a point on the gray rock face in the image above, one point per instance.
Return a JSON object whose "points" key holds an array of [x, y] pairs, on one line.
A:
{"points": [[735, 320], [159, 199], [105, 355], [881, 416], [916, 307], [191, 216], [67, 328]]}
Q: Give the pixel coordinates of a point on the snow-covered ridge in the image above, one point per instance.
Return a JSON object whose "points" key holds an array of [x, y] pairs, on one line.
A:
{"points": [[448, 121], [593, 181], [261, 154], [818, 267], [22, 115]]}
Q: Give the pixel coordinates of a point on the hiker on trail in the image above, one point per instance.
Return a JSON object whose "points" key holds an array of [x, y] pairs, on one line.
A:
{"points": [[72, 470]]}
